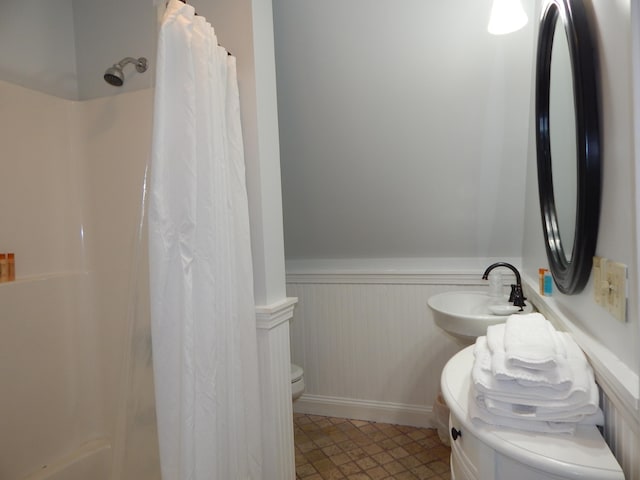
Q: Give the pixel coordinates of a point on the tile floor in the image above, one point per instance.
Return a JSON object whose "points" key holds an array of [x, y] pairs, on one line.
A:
{"points": [[330, 448]]}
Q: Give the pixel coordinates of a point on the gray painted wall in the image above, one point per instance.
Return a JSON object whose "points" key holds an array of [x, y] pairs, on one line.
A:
{"points": [[403, 129], [616, 238], [63, 47], [405, 132], [38, 46], [107, 32]]}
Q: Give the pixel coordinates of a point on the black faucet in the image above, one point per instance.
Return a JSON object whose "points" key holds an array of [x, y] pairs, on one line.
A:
{"points": [[517, 296]]}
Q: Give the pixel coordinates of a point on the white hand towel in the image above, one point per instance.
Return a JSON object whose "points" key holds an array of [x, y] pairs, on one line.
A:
{"points": [[529, 342], [559, 378], [510, 391]]}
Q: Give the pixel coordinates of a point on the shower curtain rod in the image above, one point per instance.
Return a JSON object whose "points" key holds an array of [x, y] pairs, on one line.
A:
{"points": [[228, 52]]}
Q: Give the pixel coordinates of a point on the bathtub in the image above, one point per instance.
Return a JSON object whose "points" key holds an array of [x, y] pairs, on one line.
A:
{"points": [[90, 461]]}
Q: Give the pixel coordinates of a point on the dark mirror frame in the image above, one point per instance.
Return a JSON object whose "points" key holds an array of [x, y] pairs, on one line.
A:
{"points": [[570, 272]]}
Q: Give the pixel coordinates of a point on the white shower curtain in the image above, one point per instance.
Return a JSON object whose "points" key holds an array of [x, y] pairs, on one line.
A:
{"points": [[201, 283]]}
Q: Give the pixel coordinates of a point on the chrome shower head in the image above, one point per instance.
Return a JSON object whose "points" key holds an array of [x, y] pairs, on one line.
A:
{"points": [[115, 75]]}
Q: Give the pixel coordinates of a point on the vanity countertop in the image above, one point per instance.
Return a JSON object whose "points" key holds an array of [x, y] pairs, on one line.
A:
{"points": [[569, 456]]}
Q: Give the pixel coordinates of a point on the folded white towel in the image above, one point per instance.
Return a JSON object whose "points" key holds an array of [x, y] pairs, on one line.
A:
{"points": [[510, 391], [528, 412], [478, 412], [559, 378], [529, 342]]}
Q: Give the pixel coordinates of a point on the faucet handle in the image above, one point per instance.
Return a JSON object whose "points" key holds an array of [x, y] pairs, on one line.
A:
{"points": [[517, 296]]}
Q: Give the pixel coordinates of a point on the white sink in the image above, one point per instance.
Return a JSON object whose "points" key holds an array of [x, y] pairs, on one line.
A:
{"points": [[466, 315]]}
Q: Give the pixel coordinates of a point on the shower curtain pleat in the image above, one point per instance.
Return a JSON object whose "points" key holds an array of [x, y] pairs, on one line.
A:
{"points": [[201, 280]]}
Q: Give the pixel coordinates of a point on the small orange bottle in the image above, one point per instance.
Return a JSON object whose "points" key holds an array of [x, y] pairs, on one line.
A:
{"points": [[541, 274], [4, 268], [11, 266]]}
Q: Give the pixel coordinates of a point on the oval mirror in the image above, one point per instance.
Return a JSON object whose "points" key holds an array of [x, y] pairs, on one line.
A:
{"points": [[568, 142]]}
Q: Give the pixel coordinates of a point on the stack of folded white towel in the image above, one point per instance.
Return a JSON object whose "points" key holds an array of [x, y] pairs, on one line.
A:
{"points": [[528, 376]]}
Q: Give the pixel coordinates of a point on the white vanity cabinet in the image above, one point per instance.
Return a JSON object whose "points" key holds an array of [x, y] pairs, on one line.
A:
{"points": [[486, 452], [470, 458]]}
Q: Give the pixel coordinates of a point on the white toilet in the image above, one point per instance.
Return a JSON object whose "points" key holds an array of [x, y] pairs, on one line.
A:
{"points": [[297, 381]]}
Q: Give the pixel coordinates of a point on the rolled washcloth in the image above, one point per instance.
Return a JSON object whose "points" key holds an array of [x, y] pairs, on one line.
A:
{"points": [[510, 391], [559, 378], [529, 342]]}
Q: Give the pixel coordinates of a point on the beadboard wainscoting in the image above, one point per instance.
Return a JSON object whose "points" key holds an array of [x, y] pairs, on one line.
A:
{"points": [[368, 343], [623, 437]]}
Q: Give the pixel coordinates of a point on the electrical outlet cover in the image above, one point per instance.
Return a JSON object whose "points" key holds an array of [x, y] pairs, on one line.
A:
{"points": [[617, 298]]}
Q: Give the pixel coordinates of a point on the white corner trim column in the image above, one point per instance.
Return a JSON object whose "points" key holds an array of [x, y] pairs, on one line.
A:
{"points": [[274, 355]]}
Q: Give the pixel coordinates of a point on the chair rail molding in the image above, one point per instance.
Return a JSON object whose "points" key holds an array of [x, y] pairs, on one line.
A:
{"points": [[270, 316]]}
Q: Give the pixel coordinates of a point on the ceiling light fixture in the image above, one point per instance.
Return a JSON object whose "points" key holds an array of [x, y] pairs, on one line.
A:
{"points": [[506, 16]]}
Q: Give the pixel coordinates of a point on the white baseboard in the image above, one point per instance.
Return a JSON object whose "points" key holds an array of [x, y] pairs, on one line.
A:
{"points": [[394, 413]]}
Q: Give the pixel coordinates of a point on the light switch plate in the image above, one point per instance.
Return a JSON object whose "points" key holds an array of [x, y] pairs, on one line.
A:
{"points": [[616, 277]]}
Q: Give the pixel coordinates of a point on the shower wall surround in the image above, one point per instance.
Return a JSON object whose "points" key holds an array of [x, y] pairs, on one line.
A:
{"points": [[76, 190], [42, 226], [74, 221], [43, 189], [76, 170]]}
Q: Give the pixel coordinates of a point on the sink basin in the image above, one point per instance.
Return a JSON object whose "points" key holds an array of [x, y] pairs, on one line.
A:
{"points": [[466, 315]]}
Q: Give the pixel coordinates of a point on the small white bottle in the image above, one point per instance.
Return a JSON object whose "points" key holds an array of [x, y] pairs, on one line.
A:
{"points": [[496, 286]]}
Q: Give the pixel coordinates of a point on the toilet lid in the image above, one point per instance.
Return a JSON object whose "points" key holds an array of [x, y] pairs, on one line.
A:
{"points": [[296, 373]]}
